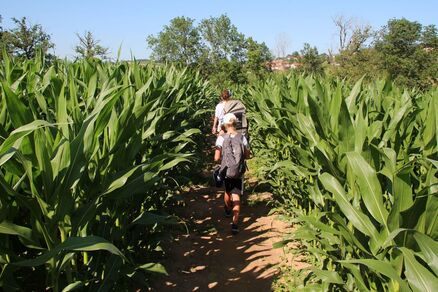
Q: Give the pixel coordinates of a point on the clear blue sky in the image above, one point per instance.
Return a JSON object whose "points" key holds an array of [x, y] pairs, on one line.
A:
{"points": [[129, 22]]}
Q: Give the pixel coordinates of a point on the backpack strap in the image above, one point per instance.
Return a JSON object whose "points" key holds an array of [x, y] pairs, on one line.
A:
{"points": [[224, 110], [242, 147]]}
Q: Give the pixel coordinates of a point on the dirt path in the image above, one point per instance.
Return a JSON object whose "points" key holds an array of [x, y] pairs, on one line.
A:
{"points": [[209, 257]]}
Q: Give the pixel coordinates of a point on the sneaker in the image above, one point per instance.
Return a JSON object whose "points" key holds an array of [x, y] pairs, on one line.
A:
{"points": [[234, 229], [227, 212]]}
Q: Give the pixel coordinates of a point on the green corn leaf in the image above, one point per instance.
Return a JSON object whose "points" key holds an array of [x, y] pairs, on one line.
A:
{"points": [[358, 278], [112, 273], [419, 278], [360, 131], [121, 180], [10, 146], [73, 286], [184, 136], [173, 163], [354, 94], [394, 234], [134, 186], [335, 108], [92, 85], [307, 128], [359, 219], [349, 236], [42, 152], [429, 250], [346, 129], [328, 276], [435, 106], [19, 113], [61, 112], [369, 186], [381, 267], [153, 268], [394, 124], [20, 231], [282, 243], [430, 126], [430, 214], [85, 214], [89, 243]]}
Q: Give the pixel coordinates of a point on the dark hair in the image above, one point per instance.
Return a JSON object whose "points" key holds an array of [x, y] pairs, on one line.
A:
{"points": [[226, 93]]}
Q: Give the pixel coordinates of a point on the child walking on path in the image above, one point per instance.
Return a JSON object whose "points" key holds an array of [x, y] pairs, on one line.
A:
{"points": [[232, 149]]}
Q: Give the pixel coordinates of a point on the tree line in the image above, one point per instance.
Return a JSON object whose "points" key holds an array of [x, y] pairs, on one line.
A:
{"points": [[25, 40], [215, 47], [405, 51], [402, 50]]}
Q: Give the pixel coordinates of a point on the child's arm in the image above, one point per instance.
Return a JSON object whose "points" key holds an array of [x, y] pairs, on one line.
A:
{"points": [[218, 150], [217, 154]]}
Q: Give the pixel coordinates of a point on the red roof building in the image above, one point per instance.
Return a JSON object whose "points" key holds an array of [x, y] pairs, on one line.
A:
{"points": [[285, 64]]}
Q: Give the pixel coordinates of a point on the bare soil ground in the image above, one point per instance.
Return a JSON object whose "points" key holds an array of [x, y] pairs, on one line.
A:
{"points": [[210, 258]]}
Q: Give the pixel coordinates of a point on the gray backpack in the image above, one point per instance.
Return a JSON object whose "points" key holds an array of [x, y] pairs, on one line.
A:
{"points": [[237, 108], [233, 156]]}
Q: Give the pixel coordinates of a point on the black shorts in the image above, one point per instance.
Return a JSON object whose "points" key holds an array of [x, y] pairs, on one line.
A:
{"points": [[233, 185]]}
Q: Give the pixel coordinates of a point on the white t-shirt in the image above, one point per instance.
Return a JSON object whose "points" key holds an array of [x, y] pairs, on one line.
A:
{"points": [[220, 141], [219, 114]]}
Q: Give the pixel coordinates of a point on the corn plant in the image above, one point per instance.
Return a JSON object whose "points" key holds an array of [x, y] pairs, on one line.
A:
{"points": [[90, 154], [357, 168]]}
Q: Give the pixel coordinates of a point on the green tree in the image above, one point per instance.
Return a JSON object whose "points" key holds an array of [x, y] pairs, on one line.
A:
{"points": [[312, 62], [359, 37], [89, 47], [224, 50], [179, 42], [429, 38], [353, 65], [222, 39], [258, 55], [215, 47], [356, 56], [229, 56], [352, 34], [25, 39], [406, 54], [295, 54]]}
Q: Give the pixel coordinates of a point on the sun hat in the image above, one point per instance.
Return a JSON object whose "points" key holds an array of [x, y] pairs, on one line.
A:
{"points": [[229, 118]]}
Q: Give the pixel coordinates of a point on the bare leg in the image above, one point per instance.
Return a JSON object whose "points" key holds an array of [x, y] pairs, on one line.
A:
{"points": [[236, 207], [227, 201]]}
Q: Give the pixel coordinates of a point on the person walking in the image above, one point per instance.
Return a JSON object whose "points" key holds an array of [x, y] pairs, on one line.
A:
{"points": [[220, 112], [232, 149]]}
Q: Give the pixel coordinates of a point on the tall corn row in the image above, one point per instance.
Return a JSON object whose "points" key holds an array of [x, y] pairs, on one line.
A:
{"points": [[89, 156], [358, 169]]}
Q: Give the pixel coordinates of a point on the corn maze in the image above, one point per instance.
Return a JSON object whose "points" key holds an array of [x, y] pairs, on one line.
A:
{"points": [[356, 167], [90, 154]]}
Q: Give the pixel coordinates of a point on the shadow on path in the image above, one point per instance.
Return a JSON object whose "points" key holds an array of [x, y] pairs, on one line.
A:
{"points": [[209, 257]]}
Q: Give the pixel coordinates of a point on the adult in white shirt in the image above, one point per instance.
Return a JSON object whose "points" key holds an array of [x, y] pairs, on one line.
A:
{"points": [[220, 112]]}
